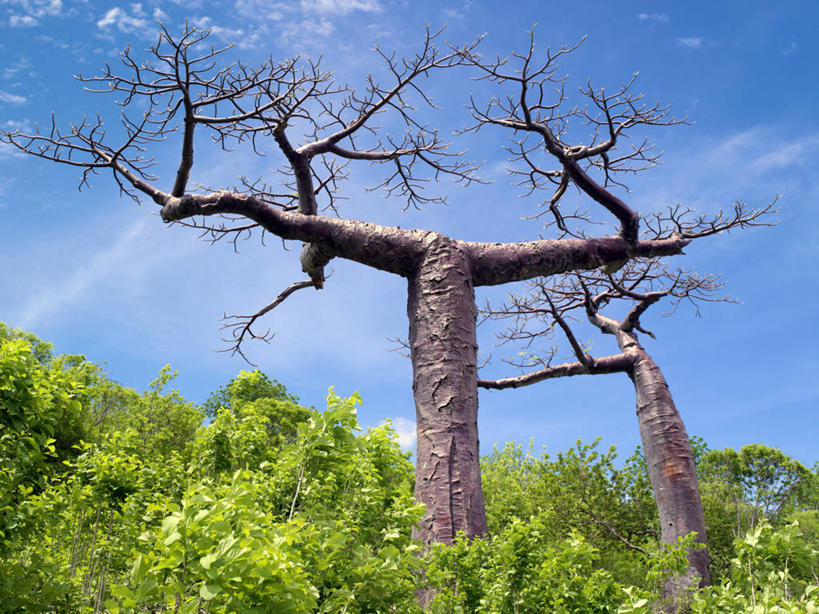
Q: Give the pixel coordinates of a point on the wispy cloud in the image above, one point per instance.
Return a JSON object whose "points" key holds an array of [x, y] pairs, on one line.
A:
{"points": [[692, 42], [76, 286], [55, 42], [790, 49], [13, 124], [21, 65], [293, 32], [340, 7], [711, 171], [10, 151], [9, 98], [188, 4], [22, 21], [27, 13], [264, 10], [658, 17], [123, 20], [742, 150], [303, 22], [787, 154], [232, 35]]}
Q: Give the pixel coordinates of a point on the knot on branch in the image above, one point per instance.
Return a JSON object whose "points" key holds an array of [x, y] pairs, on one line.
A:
{"points": [[176, 208], [313, 259]]}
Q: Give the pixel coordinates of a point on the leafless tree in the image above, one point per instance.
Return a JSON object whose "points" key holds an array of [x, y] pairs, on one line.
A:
{"points": [[319, 127]]}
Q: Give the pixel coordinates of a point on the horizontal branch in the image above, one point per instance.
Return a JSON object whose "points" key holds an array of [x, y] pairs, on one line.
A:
{"points": [[499, 263], [386, 248], [617, 363]]}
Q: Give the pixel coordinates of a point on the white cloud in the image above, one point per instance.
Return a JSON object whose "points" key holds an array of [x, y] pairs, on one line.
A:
{"points": [[122, 20], [785, 154], [692, 42], [22, 21], [743, 150], [30, 11], [13, 124], [294, 32], [262, 9], [658, 17], [23, 64], [790, 49], [230, 35], [339, 7], [9, 98], [407, 432]]}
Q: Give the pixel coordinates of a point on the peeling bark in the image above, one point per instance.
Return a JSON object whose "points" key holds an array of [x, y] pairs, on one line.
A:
{"points": [[442, 321], [670, 466]]}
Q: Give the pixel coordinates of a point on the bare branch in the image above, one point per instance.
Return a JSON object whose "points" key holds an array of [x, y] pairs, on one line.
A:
{"points": [[684, 222], [539, 108], [241, 326], [616, 363]]}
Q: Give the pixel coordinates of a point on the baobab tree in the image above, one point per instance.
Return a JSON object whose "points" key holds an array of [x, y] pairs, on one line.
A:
{"points": [[318, 126], [550, 305]]}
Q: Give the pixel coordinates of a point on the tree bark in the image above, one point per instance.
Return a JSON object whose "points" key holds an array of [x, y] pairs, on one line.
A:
{"points": [[442, 322], [670, 465]]}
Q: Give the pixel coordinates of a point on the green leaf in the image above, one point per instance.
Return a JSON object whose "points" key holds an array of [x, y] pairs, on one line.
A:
{"points": [[209, 591]]}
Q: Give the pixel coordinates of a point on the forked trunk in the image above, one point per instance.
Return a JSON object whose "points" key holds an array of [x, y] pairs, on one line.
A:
{"points": [[671, 470], [442, 320]]}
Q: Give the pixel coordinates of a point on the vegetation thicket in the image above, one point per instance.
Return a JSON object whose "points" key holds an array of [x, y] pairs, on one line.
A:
{"points": [[118, 501]]}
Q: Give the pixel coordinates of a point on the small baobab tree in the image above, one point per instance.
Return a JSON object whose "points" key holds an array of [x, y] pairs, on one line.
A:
{"points": [[551, 304]]}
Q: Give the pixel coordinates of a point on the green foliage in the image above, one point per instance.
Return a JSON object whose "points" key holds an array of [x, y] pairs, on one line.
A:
{"points": [[742, 489], [244, 388], [164, 422], [775, 571], [581, 490], [760, 482], [40, 407], [114, 500], [218, 546], [523, 571], [319, 523]]}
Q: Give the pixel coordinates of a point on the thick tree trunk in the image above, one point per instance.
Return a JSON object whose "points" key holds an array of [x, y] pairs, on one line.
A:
{"points": [[442, 320], [670, 467]]}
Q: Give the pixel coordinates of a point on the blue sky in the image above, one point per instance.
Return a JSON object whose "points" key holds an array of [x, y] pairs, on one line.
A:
{"points": [[99, 276]]}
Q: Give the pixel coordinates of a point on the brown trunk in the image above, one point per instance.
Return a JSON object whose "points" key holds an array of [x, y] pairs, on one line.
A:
{"points": [[670, 467], [442, 314]]}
